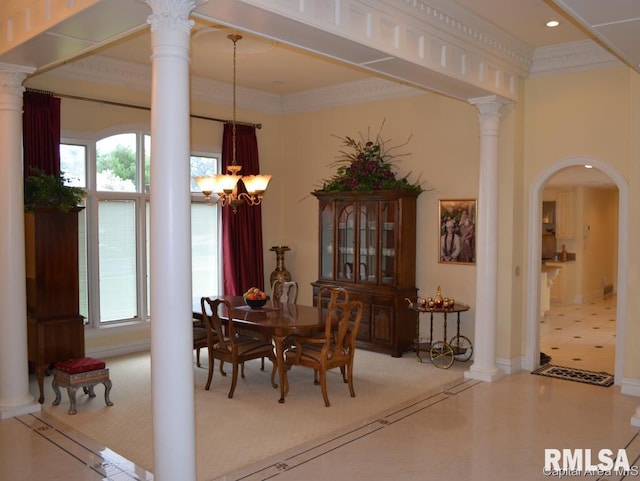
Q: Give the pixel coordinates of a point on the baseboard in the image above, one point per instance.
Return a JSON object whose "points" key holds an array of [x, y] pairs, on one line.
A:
{"points": [[102, 352], [630, 386], [510, 366]]}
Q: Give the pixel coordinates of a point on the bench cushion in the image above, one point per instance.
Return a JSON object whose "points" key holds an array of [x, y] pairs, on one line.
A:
{"points": [[83, 364]]}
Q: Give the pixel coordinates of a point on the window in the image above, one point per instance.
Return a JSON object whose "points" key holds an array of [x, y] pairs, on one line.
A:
{"points": [[113, 237]]}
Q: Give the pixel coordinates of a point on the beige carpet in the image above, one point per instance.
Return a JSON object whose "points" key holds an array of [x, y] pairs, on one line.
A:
{"points": [[232, 433]]}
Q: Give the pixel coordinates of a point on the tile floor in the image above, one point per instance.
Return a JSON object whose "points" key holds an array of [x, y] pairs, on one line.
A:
{"points": [[581, 336], [468, 430]]}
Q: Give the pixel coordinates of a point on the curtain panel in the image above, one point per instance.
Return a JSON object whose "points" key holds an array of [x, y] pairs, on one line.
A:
{"points": [[242, 258], [41, 132]]}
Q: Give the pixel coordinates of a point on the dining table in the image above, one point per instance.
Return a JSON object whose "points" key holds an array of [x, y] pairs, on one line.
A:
{"points": [[276, 320]]}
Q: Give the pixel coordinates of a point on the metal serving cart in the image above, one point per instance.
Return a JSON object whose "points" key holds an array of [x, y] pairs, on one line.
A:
{"points": [[441, 352]]}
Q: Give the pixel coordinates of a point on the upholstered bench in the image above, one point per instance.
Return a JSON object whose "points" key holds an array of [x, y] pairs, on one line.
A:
{"points": [[84, 372]]}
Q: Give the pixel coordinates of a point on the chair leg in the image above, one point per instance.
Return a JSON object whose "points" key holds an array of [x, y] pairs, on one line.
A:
{"points": [[222, 368], [350, 380], [242, 371], [208, 385], [234, 380], [198, 357], [323, 386], [344, 374]]}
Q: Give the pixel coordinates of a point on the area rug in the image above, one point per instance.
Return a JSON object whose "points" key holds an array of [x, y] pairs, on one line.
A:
{"points": [[252, 426], [574, 374]]}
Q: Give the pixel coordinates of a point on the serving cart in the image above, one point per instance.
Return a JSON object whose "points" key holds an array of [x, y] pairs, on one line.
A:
{"points": [[441, 352]]}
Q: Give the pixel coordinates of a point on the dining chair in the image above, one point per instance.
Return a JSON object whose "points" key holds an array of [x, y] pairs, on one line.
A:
{"points": [[335, 349], [336, 294], [284, 292], [199, 338], [231, 346]]}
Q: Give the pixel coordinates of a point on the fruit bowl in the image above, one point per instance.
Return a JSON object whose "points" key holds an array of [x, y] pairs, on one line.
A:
{"points": [[255, 298], [255, 303]]}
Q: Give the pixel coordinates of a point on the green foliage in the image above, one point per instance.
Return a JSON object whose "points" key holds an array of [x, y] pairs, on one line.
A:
{"points": [[121, 161], [367, 166], [44, 190]]}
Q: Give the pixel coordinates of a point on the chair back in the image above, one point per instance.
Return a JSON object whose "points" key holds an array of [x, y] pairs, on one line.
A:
{"points": [[336, 294], [213, 322], [341, 329], [284, 292]]}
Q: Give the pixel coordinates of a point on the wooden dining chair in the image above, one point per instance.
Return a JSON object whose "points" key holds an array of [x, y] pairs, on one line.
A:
{"points": [[199, 338], [335, 293], [231, 346], [335, 349], [284, 292]]}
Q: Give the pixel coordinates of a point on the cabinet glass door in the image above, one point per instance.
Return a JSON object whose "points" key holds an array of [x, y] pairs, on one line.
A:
{"points": [[388, 221], [368, 241], [326, 242], [346, 241]]}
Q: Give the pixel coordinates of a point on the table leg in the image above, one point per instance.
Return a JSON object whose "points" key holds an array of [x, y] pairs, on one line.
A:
{"points": [[282, 368]]}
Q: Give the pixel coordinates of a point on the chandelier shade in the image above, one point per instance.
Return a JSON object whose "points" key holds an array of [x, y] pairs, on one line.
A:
{"points": [[223, 188]]}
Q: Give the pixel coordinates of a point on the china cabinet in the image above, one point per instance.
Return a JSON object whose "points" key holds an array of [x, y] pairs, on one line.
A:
{"points": [[367, 244], [55, 327]]}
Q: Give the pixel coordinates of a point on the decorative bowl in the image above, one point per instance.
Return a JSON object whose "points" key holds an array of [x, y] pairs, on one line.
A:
{"points": [[256, 303]]}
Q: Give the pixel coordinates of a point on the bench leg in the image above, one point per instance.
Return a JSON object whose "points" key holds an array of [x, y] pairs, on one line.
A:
{"points": [[72, 399], [107, 390], [56, 389]]}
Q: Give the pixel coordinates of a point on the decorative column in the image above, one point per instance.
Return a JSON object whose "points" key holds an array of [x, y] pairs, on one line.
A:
{"points": [[15, 398], [172, 380], [484, 365]]}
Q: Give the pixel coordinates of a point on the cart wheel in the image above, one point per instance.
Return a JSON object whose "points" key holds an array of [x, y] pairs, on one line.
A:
{"points": [[462, 348], [441, 355]]}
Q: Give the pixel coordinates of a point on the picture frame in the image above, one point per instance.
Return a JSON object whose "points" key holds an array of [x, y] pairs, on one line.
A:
{"points": [[457, 238]]}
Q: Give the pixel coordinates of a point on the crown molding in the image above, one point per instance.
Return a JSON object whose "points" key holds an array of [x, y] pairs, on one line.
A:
{"points": [[105, 70], [571, 57], [351, 93]]}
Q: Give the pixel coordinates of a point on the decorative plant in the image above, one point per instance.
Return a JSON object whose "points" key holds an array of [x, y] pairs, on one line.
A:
{"points": [[366, 166], [46, 190]]}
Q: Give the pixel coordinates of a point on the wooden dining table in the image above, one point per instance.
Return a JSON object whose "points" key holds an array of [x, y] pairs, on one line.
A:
{"points": [[276, 320]]}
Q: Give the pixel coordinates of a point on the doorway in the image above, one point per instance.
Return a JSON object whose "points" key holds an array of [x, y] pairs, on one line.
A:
{"points": [[532, 357]]}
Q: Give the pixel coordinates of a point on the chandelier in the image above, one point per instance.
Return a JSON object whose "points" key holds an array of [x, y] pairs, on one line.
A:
{"points": [[223, 188]]}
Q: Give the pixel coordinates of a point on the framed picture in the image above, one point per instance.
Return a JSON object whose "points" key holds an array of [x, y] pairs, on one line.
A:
{"points": [[457, 231]]}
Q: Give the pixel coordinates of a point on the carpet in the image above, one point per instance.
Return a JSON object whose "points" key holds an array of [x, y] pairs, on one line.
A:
{"points": [[574, 374], [253, 426]]}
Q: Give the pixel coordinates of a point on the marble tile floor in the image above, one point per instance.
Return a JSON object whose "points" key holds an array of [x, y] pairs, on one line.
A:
{"points": [[581, 336], [467, 430]]}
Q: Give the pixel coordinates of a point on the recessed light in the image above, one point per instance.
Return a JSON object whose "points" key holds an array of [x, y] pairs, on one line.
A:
{"points": [[552, 23], [587, 166]]}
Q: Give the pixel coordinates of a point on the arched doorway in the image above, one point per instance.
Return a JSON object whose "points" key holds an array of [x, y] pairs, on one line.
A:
{"points": [[532, 350]]}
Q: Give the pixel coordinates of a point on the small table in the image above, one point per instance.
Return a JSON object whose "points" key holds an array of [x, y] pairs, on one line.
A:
{"points": [[443, 353], [276, 320]]}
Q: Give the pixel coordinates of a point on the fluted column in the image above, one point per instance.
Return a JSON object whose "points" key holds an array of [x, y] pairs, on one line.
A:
{"points": [[15, 398], [484, 365], [170, 244]]}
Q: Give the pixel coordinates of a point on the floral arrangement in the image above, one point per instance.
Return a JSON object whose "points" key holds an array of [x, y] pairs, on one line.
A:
{"points": [[366, 166]]}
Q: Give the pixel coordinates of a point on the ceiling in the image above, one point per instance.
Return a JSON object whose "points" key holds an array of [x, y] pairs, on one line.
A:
{"points": [[276, 68]]}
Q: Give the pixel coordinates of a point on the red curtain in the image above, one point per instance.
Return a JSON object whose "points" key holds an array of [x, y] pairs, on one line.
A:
{"points": [[242, 259], [41, 132]]}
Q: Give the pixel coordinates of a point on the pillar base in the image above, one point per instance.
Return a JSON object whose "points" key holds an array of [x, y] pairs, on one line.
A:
{"points": [[7, 412], [481, 374], [635, 419]]}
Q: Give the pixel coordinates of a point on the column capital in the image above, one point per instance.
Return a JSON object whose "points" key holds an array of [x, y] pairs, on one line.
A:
{"points": [[11, 78], [171, 15], [489, 111]]}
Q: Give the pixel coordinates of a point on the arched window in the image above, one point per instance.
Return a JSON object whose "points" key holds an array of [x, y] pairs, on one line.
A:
{"points": [[114, 226]]}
